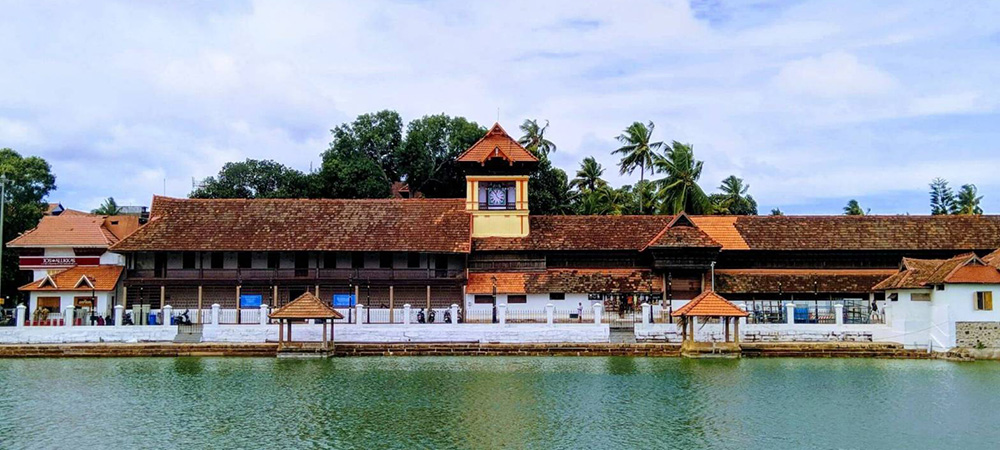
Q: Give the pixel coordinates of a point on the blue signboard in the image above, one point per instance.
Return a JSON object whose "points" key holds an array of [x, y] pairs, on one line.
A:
{"points": [[343, 300], [251, 301]]}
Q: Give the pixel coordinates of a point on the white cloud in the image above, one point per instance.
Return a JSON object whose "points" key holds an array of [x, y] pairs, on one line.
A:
{"points": [[834, 75]]}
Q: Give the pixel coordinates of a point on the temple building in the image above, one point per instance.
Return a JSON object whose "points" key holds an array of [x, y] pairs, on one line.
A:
{"points": [[487, 249]]}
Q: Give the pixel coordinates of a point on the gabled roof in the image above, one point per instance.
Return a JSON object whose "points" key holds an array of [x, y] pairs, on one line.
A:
{"points": [[497, 144], [419, 225], [709, 304], [792, 281], [925, 273], [79, 278], [77, 230], [681, 232], [993, 259], [580, 233], [307, 306]]}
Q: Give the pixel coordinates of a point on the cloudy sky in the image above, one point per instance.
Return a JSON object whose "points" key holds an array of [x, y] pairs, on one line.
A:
{"points": [[811, 102]]}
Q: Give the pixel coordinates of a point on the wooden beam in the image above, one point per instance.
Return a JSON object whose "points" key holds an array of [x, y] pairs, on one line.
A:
{"points": [[163, 296], [391, 305], [238, 288], [429, 298], [199, 303]]}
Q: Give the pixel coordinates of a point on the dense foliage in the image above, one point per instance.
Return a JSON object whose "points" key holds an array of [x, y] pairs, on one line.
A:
{"points": [[29, 181]]}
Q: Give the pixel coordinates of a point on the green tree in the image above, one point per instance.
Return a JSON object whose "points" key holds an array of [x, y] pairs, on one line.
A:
{"points": [[734, 198], [853, 208], [352, 174], [968, 202], [588, 177], [550, 192], [427, 158], [29, 181], [256, 179], [942, 198], [108, 208], [637, 150], [534, 139], [679, 189], [777, 212]]}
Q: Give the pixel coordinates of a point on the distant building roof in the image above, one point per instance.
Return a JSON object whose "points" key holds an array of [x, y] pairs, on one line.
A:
{"points": [[792, 281], [566, 280], [79, 278], [419, 225], [497, 144], [74, 229]]}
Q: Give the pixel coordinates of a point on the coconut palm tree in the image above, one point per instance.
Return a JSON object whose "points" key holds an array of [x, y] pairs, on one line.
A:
{"points": [[108, 208], [968, 201], [534, 138], [588, 178], [734, 198], [638, 149], [679, 189]]}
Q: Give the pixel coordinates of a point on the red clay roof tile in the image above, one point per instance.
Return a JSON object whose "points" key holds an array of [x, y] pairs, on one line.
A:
{"points": [[709, 304], [497, 143], [104, 278]]}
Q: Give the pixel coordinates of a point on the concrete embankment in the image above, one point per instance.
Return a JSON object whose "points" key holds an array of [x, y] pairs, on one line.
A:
{"points": [[790, 349]]}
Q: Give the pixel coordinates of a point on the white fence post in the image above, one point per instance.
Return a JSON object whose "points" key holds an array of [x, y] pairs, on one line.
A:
{"points": [[502, 314], [215, 313], [168, 315], [20, 314], [406, 313], [263, 314], [359, 309], [68, 316], [647, 309], [790, 313], [454, 314], [838, 311], [597, 313], [119, 315], [550, 310]]}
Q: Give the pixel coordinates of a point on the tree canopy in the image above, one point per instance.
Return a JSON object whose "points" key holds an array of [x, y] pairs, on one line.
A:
{"points": [[29, 181], [853, 208], [108, 208], [256, 179]]}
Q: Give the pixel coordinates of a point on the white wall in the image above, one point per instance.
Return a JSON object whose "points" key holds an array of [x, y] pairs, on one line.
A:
{"points": [[66, 300], [920, 323]]}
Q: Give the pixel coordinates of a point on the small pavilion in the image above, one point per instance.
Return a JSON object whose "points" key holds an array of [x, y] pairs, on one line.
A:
{"points": [[306, 307], [709, 304]]}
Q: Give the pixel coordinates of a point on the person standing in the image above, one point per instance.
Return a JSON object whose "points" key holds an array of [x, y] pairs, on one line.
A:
{"points": [[579, 312]]}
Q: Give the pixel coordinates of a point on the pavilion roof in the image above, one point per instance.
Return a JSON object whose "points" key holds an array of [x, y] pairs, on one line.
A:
{"points": [[79, 278], [306, 306], [924, 273], [497, 144], [710, 304]]}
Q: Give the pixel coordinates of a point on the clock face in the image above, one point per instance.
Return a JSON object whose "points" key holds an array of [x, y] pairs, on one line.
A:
{"points": [[497, 197]]}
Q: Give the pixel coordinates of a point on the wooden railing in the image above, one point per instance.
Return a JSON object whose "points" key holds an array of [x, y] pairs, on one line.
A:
{"points": [[297, 274]]}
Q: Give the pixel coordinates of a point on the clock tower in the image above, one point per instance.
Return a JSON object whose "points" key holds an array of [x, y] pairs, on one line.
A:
{"points": [[497, 170]]}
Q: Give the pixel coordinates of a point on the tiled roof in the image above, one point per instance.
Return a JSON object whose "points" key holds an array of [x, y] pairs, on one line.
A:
{"points": [[581, 233], [306, 306], [420, 225], [497, 143], [682, 233], [566, 280], [870, 232], [104, 278], [993, 259], [924, 273], [722, 229], [709, 304], [770, 281], [74, 230]]}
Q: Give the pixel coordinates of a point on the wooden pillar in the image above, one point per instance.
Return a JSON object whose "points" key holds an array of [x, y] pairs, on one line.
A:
{"points": [[684, 328], [274, 297], [281, 331], [317, 291], [691, 335], [725, 322], [124, 295], [289, 321], [391, 305], [163, 296], [324, 334], [199, 304], [429, 298], [736, 330], [238, 288], [357, 295]]}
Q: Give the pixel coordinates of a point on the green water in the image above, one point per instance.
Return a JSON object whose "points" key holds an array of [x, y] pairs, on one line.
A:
{"points": [[591, 403]]}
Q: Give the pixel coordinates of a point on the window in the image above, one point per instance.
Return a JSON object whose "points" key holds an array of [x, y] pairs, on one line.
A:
{"points": [[413, 260], [49, 303], [358, 260], [517, 299], [385, 260], [244, 260], [984, 301], [484, 299], [330, 260], [189, 259], [920, 297], [557, 296], [217, 259], [273, 260]]}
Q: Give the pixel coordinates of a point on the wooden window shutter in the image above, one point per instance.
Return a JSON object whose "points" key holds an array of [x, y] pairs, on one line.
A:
{"points": [[988, 300]]}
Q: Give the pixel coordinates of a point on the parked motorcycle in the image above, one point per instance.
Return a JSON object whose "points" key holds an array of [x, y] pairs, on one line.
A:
{"points": [[447, 316], [420, 316], [430, 316], [127, 320], [182, 319]]}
